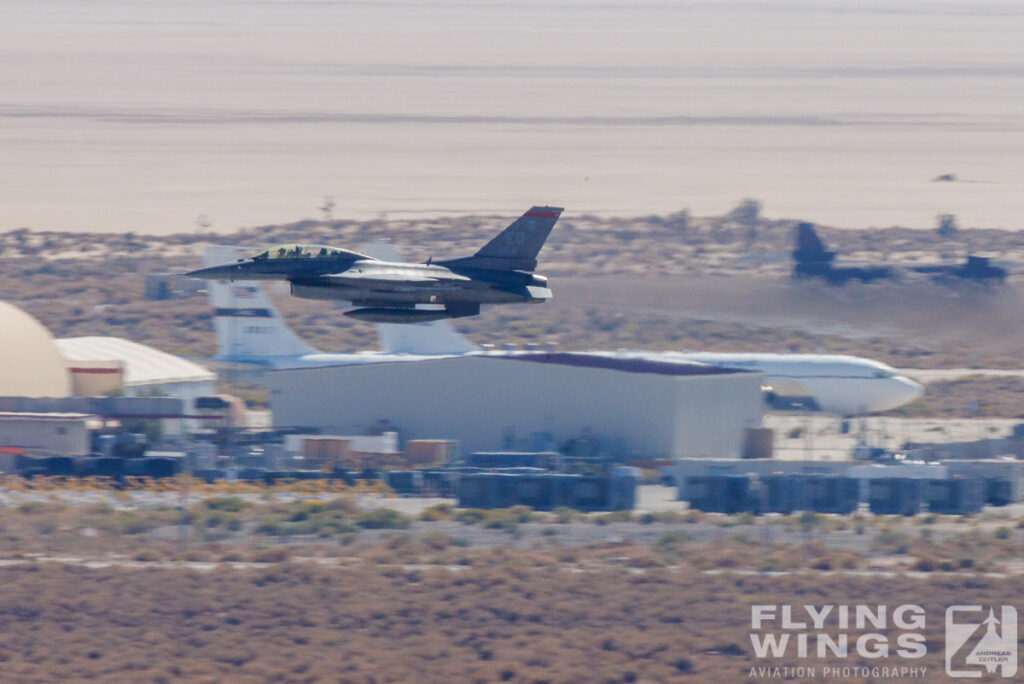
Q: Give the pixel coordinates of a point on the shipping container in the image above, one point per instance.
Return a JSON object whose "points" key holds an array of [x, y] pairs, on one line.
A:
{"points": [[438, 482], [998, 491], [546, 491], [954, 496], [407, 482], [209, 475], [477, 490], [718, 493], [782, 493], [895, 495], [537, 491], [828, 494], [103, 466], [429, 452]]}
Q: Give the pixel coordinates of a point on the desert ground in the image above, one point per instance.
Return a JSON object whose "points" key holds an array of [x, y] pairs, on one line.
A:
{"points": [[254, 584]]}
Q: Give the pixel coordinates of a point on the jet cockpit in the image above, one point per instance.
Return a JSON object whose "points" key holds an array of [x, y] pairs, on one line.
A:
{"points": [[300, 250]]}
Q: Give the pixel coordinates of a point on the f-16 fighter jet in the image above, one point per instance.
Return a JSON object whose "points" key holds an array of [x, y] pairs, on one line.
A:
{"points": [[389, 292]]}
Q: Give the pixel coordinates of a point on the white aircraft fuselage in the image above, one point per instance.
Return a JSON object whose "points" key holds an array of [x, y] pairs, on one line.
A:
{"points": [[837, 384]]}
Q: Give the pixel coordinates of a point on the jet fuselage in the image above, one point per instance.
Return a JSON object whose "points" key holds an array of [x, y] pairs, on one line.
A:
{"points": [[389, 291]]}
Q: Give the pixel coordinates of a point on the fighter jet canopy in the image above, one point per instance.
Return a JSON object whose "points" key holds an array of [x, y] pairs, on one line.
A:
{"points": [[299, 250]]}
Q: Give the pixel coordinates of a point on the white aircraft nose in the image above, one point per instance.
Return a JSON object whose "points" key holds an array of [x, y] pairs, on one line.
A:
{"points": [[910, 390]]}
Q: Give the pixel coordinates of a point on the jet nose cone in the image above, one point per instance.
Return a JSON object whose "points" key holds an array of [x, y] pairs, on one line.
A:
{"points": [[911, 390], [212, 273]]}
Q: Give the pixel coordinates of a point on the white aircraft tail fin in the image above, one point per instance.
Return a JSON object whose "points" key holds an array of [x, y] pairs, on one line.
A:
{"points": [[248, 325], [434, 337]]}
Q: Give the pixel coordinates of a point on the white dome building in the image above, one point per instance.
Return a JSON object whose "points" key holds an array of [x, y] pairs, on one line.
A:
{"points": [[31, 365]]}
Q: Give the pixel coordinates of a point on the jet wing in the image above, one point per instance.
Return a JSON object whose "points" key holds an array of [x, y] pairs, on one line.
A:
{"points": [[353, 276], [383, 277]]}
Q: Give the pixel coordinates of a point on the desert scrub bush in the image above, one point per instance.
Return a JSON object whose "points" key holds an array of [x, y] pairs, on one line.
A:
{"points": [[644, 560], [692, 517], [196, 556], [564, 515], [889, 540], [382, 518], [269, 526], [501, 519], [274, 554], [523, 514], [149, 556], [671, 540], [303, 510], [101, 508], [809, 520], [227, 504], [134, 523], [343, 504], [612, 517], [436, 541], [926, 563], [441, 511], [38, 507], [471, 516], [670, 517], [846, 560]]}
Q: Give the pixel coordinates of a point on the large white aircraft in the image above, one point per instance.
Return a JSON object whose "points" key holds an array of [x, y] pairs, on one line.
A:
{"points": [[831, 383], [251, 330]]}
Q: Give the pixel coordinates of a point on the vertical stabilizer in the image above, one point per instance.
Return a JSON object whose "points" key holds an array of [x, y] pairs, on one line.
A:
{"points": [[435, 337], [515, 248], [809, 247], [520, 243], [249, 326]]}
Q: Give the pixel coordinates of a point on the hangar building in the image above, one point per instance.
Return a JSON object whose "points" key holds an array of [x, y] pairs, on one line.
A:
{"points": [[100, 365], [516, 401]]}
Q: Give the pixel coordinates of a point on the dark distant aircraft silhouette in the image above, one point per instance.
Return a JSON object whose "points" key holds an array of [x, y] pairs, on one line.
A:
{"points": [[812, 260]]}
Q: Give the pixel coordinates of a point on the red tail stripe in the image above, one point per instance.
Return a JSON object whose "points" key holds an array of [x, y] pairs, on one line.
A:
{"points": [[541, 214]]}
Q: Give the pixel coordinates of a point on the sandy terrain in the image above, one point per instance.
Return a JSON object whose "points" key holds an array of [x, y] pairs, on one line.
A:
{"points": [[157, 117]]}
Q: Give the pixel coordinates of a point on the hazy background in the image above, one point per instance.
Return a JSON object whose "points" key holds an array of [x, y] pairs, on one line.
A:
{"points": [[142, 116]]}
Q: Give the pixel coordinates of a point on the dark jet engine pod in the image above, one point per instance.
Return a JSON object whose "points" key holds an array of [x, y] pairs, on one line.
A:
{"points": [[382, 314]]}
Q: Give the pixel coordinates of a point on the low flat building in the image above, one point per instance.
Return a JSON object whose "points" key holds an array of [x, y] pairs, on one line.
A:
{"points": [[640, 408], [60, 434]]}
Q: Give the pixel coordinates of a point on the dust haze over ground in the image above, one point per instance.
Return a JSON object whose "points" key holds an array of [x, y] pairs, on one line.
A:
{"points": [[990, 320], [145, 117]]}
